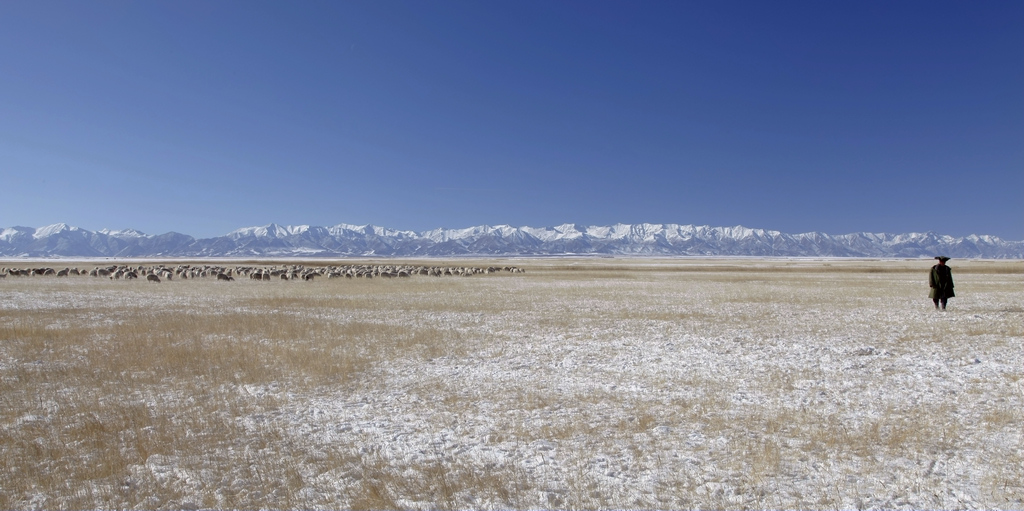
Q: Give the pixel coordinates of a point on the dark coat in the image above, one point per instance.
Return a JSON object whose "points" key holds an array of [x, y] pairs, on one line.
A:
{"points": [[941, 281]]}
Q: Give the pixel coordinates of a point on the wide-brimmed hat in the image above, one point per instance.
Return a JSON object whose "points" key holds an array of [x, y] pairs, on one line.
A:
{"points": [[942, 258]]}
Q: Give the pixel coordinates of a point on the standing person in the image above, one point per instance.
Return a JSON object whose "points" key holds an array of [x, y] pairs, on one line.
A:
{"points": [[940, 280]]}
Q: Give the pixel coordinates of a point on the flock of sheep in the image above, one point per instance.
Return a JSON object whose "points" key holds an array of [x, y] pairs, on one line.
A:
{"points": [[157, 273]]}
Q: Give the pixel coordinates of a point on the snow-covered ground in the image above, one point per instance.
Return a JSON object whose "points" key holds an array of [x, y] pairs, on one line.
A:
{"points": [[618, 384]]}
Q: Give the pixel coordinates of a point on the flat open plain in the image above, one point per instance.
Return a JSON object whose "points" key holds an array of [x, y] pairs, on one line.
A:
{"points": [[580, 383]]}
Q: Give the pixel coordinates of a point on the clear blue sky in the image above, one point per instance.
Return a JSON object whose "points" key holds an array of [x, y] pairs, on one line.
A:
{"points": [[202, 117]]}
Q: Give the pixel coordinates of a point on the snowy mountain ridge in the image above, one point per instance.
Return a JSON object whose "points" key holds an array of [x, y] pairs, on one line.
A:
{"points": [[347, 240]]}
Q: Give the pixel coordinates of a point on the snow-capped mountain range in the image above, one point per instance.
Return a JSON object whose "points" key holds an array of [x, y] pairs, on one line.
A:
{"points": [[344, 240]]}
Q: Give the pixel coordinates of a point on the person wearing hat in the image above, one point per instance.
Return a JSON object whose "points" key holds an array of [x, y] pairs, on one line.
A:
{"points": [[940, 280]]}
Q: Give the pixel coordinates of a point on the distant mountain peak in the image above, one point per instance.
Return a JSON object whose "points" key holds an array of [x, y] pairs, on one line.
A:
{"points": [[123, 233], [51, 230]]}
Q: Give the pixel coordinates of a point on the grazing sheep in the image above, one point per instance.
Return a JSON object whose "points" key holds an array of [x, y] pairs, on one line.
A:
{"points": [[152, 278]]}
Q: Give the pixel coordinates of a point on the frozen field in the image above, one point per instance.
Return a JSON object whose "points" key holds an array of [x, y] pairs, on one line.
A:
{"points": [[579, 384]]}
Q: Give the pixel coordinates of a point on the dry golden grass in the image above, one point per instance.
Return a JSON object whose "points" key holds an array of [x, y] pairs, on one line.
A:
{"points": [[129, 395], [89, 391]]}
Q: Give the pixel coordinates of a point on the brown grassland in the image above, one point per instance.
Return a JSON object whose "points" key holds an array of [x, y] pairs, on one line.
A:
{"points": [[581, 383]]}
